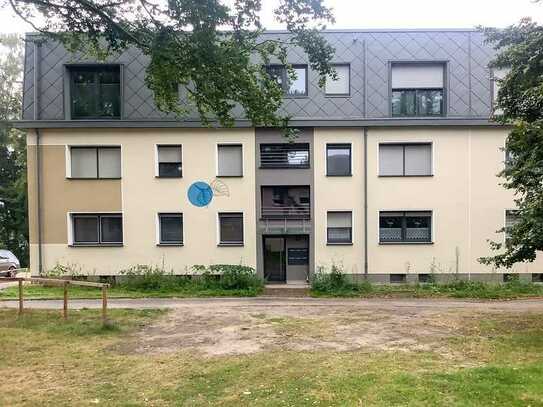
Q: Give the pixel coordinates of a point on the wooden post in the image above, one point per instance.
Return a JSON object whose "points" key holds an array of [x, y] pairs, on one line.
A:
{"points": [[65, 309], [104, 305], [20, 297]]}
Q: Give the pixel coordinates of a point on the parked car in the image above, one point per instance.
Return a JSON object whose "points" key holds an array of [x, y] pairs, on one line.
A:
{"points": [[8, 263]]}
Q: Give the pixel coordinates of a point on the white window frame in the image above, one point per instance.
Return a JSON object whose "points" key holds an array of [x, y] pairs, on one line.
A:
{"points": [[231, 143], [157, 145], [68, 159], [336, 95], [433, 232], [403, 142], [218, 228], [70, 234], [505, 222], [352, 227], [158, 230], [326, 158]]}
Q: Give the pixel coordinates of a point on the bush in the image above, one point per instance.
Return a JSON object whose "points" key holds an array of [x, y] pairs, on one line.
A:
{"points": [[214, 277], [336, 282], [230, 277]]}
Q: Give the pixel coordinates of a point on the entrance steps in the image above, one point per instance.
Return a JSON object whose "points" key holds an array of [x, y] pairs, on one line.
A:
{"points": [[290, 289]]}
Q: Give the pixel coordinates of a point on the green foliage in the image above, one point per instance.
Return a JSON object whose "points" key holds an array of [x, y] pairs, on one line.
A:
{"points": [[336, 284], [217, 278], [212, 50], [520, 105], [13, 203]]}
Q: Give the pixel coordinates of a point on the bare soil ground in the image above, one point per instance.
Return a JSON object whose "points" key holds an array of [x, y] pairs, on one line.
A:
{"points": [[215, 329]]}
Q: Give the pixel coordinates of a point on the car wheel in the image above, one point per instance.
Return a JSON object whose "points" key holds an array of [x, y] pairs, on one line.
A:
{"points": [[11, 272]]}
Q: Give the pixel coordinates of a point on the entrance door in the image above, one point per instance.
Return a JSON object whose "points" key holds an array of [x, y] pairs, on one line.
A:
{"points": [[274, 259]]}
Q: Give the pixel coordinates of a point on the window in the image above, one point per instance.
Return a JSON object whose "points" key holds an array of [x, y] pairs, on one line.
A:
{"points": [[170, 228], [397, 278], [101, 229], [339, 228], [338, 159], [511, 219], [169, 161], [291, 87], [341, 86], [286, 202], [95, 92], [404, 160], [95, 162], [285, 155], [231, 228], [405, 227], [230, 160], [417, 89]]}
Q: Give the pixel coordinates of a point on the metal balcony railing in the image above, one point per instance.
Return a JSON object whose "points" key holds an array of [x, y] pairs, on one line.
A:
{"points": [[284, 155], [292, 212]]}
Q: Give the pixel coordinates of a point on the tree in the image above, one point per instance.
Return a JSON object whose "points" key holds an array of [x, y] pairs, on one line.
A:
{"points": [[13, 203], [520, 105], [213, 49]]}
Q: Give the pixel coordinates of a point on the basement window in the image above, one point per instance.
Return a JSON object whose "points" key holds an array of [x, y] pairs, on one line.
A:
{"points": [[397, 278]]}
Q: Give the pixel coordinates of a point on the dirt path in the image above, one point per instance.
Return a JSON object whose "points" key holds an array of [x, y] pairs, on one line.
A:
{"points": [[228, 326]]}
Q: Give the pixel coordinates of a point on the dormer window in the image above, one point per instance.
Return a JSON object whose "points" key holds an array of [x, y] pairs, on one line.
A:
{"points": [[95, 92], [418, 89]]}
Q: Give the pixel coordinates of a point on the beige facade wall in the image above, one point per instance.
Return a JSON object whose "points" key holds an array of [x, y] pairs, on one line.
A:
{"points": [[142, 196], [339, 194], [464, 194]]}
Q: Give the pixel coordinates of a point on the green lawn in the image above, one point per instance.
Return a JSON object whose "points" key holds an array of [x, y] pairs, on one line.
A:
{"points": [[496, 361], [457, 289], [35, 291]]}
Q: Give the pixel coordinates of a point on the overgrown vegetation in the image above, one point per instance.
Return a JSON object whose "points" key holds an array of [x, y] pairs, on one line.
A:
{"points": [[496, 360], [142, 281], [336, 284]]}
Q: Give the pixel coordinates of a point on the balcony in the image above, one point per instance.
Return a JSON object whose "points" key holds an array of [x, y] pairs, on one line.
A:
{"points": [[285, 155], [286, 202]]}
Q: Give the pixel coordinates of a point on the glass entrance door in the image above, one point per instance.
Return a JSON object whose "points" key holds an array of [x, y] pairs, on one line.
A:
{"points": [[274, 259]]}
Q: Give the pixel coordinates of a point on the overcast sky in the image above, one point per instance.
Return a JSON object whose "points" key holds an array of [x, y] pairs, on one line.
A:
{"points": [[392, 14]]}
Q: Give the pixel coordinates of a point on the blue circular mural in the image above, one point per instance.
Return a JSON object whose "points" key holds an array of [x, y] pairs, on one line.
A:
{"points": [[200, 194]]}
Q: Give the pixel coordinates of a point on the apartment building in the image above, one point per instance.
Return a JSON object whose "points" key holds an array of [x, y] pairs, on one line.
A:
{"points": [[391, 178]]}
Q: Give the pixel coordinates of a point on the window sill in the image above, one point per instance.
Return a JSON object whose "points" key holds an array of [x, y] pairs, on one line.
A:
{"points": [[339, 243], [97, 245], [92, 179], [406, 176], [230, 176], [169, 176], [170, 244], [285, 167], [335, 176], [404, 243], [230, 245]]}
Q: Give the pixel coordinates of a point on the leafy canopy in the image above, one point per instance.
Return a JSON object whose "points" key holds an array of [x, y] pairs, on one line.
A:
{"points": [[13, 212], [520, 105], [213, 50]]}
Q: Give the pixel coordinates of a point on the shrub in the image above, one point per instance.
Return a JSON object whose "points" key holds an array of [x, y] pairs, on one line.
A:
{"points": [[336, 282], [230, 276], [149, 278]]}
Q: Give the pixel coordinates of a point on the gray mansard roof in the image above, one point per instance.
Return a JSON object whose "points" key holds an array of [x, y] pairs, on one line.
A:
{"points": [[369, 53]]}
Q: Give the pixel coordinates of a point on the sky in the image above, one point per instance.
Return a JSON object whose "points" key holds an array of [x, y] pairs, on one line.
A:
{"points": [[364, 14]]}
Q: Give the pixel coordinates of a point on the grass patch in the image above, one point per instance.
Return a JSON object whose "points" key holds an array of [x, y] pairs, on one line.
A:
{"points": [[51, 362], [337, 284]]}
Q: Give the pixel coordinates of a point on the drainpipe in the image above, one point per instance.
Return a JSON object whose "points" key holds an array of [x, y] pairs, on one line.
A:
{"points": [[365, 203], [37, 48]]}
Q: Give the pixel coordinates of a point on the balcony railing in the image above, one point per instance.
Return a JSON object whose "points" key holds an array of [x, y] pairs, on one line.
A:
{"points": [[287, 212], [294, 155]]}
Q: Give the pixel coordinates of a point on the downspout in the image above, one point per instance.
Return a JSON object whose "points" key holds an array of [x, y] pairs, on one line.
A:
{"points": [[37, 48], [365, 203]]}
